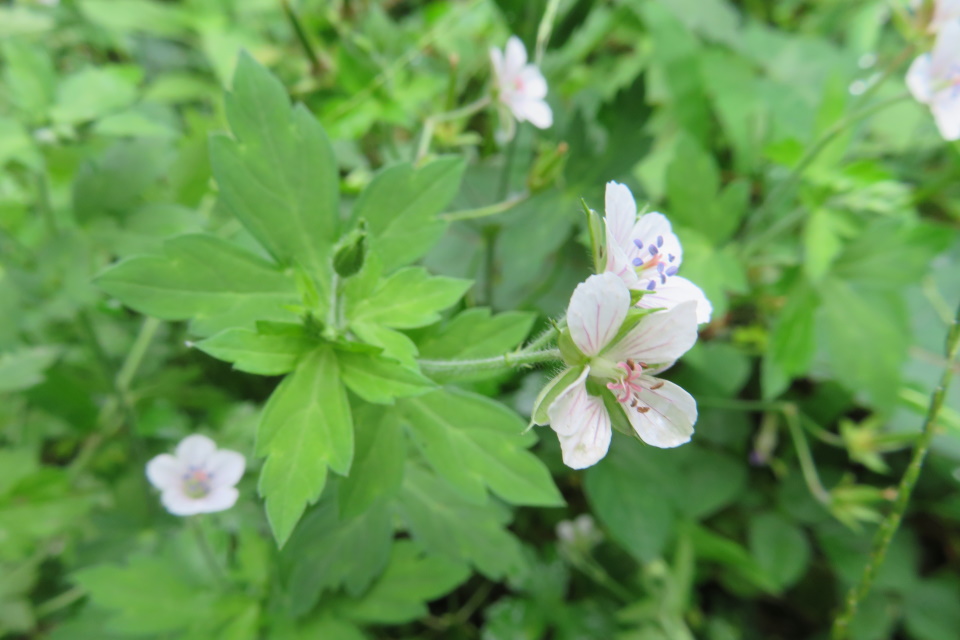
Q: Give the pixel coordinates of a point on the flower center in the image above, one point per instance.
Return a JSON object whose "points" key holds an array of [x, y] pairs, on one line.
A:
{"points": [[655, 260], [196, 483], [518, 83], [627, 388]]}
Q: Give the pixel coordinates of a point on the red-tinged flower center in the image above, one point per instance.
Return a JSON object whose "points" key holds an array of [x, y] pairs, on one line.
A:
{"points": [[627, 388], [196, 482], [518, 83]]}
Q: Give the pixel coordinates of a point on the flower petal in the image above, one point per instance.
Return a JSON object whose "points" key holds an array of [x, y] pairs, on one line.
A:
{"points": [[536, 112], [653, 229], [676, 291], [178, 503], [496, 62], [619, 262], [946, 52], [620, 211], [671, 415], [596, 312], [946, 12], [660, 337], [534, 85], [567, 410], [194, 450], [918, 79], [587, 446], [946, 112], [217, 500], [515, 57], [225, 468], [165, 472]]}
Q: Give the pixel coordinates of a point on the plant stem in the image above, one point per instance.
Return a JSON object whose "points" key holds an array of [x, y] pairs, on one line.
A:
{"points": [[890, 524], [544, 29], [807, 466], [776, 195], [61, 601], [489, 210], [205, 549], [316, 64], [506, 361], [430, 124]]}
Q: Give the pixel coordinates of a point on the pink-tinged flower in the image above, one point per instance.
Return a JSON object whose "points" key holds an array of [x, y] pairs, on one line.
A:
{"points": [[934, 79], [646, 255], [614, 373], [199, 478], [520, 86], [944, 12]]}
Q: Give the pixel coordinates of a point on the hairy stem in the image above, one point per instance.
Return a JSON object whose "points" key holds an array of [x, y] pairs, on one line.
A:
{"points": [[890, 524], [506, 361], [489, 210]]}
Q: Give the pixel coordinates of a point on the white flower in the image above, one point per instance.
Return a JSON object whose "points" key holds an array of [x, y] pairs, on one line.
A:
{"points": [[580, 532], [934, 79], [646, 255], [661, 413], [198, 479], [520, 86], [944, 12]]}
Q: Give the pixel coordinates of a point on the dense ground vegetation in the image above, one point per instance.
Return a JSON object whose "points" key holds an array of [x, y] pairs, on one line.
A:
{"points": [[819, 210]]}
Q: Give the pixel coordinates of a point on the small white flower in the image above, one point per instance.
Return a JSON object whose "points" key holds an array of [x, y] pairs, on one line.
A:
{"points": [[944, 12], [520, 86], [661, 413], [198, 479], [580, 532], [934, 79], [646, 255]]}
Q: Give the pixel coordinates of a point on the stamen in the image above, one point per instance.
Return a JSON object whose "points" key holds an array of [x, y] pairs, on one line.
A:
{"points": [[661, 267], [659, 241], [639, 243], [672, 271], [671, 257], [637, 262], [651, 285], [653, 250]]}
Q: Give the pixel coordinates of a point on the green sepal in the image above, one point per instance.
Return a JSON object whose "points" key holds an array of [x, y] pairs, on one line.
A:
{"points": [[350, 251], [618, 418], [597, 236], [569, 351], [550, 392]]}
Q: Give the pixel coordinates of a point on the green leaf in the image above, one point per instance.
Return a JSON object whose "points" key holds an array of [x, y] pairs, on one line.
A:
{"points": [[135, 15], [866, 336], [206, 279], [780, 548], [29, 77], [381, 381], [400, 206], [821, 243], [306, 426], [792, 340], [735, 559], [410, 581], [92, 93], [476, 333], [626, 491], [378, 462], [708, 480], [147, 595], [278, 175], [329, 551], [272, 350], [442, 522], [395, 345], [23, 368], [408, 299], [476, 443], [890, 254], [114, 183]]}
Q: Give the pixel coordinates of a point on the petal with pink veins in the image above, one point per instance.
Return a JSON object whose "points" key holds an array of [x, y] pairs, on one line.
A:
{"points": [[660, 337], [597, 309], [669, 417]]}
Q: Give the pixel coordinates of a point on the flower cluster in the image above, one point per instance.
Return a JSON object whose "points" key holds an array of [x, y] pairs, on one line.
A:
{"points": [[624, 326], [934, 77]]}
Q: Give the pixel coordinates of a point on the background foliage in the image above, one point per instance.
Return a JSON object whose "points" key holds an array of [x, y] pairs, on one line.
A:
{"points": [[832, 293]]}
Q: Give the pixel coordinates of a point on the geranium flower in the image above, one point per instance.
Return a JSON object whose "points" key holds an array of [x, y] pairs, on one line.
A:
{"points": [[934, 79], [944, 12], [520, 87], [198, 478], [613, 373], [646, 255]]}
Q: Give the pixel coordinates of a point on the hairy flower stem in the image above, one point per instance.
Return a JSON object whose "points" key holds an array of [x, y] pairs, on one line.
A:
{"points": [[888, 527], [454, 368]]}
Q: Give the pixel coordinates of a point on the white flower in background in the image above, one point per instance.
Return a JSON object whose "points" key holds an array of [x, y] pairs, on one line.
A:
{"points": [[944, 12], [581, 532], [934, 79], [198, 478], [660, 412], [520, 87], [646, 255]]}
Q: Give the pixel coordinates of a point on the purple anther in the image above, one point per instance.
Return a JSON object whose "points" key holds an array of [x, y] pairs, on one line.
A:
{"points": [[672, 271], [639, 243], [659, 241], [637, 262], [653, 250], [671, 257], [651, 285], [663, 279]]}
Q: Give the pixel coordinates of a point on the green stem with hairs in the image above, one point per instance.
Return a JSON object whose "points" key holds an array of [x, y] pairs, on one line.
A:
{"points": [[506, 361], [890, 524], [489, 210]]}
